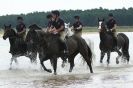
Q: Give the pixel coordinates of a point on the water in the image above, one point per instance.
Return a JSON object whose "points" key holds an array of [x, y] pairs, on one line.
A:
{"points": [[27, 75]]}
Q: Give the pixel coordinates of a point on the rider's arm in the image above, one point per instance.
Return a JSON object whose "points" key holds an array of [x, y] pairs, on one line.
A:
{"points": [[23, 31], [114, 26], [61, 28], [80, 27]]}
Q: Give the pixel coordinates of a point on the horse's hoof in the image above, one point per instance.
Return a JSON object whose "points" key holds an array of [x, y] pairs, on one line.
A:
{"points": [[91, 71], [49, 70], [101, 61], [108, 62], [117, 62], [70, 70], [10, 68], [55, 73]]}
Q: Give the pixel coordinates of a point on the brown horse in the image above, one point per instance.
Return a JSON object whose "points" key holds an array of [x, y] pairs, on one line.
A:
{"points": [[50, 47], [106, 44], [18, 47]]}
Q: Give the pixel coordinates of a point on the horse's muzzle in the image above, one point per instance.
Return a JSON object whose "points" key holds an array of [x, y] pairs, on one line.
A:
{"points": [[4, 37]]}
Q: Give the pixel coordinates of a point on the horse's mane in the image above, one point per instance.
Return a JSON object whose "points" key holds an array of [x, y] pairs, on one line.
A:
{"points": [[34, 27]]}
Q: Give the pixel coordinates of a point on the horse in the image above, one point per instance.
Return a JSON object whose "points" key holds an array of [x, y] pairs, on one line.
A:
{"points": [[18, 47], [70, 32], [50, 47], [107, 41]]}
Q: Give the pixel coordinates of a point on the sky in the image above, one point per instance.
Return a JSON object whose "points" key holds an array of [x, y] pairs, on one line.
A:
{"points": [[27, 6]]}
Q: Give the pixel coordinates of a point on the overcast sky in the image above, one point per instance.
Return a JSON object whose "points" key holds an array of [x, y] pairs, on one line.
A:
{"points": [[27, 6]]}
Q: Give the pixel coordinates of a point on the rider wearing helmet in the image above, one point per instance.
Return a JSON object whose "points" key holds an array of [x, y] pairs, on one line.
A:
{"points": [[111, 25], [77, 26], [21, 28], [59, 28]]}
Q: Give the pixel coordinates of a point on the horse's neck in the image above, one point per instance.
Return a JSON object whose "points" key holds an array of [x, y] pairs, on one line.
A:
{"points": [[13, 37], [103, 36], [12, 41]]}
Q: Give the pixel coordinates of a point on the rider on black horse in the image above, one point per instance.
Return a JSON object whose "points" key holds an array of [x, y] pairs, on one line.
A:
{"points": [[56, 27], [21, 28], [111, 25], [77, 26]]}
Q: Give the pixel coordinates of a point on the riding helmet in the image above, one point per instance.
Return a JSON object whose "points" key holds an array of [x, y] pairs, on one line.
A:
{"points": [[56, 12]]}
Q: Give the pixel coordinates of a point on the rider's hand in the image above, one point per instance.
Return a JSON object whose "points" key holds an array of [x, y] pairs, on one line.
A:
{"points": [[56, 31], [112, 29]]}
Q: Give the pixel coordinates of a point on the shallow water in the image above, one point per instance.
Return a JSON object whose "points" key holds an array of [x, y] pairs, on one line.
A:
{"points": [[27, 75]]}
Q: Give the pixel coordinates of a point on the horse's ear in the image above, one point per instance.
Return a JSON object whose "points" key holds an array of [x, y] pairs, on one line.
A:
{"points": [[4, 25], [10, 25], [98, 19], [103, 19]]}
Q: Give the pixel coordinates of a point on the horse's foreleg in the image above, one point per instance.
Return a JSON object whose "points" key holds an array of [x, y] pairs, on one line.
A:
{"points": [[102, 56], [48, 70], [108, 58], [71, 60], [119, 55], [42, 59], [33, 57], [63, 62], [11, 62], [55, 65]]}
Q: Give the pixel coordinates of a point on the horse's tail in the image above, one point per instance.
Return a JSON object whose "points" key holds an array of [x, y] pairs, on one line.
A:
{"points": [[125, 47], [90, 55], [84, 50], [90, 44]]}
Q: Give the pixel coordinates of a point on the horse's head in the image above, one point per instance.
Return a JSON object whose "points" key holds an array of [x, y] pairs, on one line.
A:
{"points": [[68, 30], [67, 25], [35, 35], [101, 25], [8, 32], [32, 34]]}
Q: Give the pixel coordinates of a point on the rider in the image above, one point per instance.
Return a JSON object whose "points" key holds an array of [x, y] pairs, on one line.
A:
{"points": [[58, 27], [77, 26], [111, 25], [21, 28]]}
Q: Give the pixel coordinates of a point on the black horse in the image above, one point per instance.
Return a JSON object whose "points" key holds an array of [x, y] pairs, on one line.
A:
{"points": [[50, 47], [18, 47], [107, 44]]}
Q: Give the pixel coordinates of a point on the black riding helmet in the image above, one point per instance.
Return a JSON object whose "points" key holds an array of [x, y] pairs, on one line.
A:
{"points": [[110, 15], [76, 17], [48, 16], [56, 12], [19, 18]]}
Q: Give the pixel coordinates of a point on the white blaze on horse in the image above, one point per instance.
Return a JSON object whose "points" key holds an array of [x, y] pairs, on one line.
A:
{"points": [[69, 32]]}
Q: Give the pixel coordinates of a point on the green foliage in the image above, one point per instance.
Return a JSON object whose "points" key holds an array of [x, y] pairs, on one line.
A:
{"points": [[123, 16]]}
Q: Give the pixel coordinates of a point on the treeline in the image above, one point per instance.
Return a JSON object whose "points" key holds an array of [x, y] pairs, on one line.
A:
{"points": [[123, 16]]}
